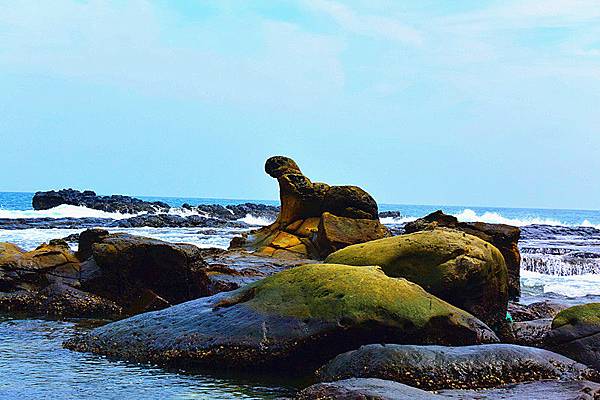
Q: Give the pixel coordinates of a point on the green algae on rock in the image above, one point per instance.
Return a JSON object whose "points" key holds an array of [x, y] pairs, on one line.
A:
{"points": [[295, 319], [459, 268]]}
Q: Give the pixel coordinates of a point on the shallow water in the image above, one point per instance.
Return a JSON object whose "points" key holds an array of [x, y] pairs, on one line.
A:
{"points": [[33, 365]]}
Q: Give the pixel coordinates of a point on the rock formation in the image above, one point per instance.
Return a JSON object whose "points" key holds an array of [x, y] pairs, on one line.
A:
{"points": [[461, 269], [120, 274], [504, 237], [88, 198], [295, 319], [315, 218]]}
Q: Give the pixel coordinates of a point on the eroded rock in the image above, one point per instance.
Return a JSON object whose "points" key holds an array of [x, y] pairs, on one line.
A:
{"points": [[347, 214]]}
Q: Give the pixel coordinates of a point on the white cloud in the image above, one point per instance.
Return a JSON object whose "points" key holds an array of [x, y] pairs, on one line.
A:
{"points": [[376, 26], [138, 46]]}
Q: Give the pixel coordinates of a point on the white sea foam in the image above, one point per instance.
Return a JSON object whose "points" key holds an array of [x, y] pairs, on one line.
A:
{"points": [[254, 220], [586, 223], [29, 239], [392, 220], [468, 215], [570, 286], [63, 211]]}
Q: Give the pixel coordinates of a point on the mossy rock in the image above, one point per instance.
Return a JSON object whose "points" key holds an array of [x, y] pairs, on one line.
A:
{"points": [[295, 319], [576, 333], [459, 268], [584, 314]]}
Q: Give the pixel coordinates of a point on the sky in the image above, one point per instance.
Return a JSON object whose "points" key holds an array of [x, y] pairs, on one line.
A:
{"points": [[489, 103]]}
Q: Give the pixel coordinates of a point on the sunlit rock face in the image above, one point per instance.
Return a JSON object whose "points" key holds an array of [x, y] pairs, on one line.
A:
{"points": [[315, 219]]}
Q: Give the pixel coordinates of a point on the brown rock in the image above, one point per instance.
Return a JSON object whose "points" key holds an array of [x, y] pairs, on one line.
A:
{"points": [[303, 205], [335, 233]]}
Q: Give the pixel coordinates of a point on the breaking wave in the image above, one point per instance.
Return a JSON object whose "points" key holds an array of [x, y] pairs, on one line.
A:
{"points": [[254, 220], [63, 211], [468, 215]]}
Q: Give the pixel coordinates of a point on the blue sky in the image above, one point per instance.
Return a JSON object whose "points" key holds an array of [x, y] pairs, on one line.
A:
{"points": [[420, 102]]}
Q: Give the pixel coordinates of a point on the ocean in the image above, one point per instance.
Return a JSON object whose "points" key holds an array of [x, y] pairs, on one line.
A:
{"points": [[561, 260]]}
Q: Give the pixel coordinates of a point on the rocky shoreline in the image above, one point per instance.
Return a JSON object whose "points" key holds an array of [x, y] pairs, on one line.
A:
{"points": [[326, 292]]}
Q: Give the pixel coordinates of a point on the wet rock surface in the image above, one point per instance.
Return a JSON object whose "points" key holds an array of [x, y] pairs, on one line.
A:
{"points": [[527, 333], [541, 390], [468, 367], [295, 320], [364, 389], [58, 301], [504, 237], [315, 218], [461, 269]]}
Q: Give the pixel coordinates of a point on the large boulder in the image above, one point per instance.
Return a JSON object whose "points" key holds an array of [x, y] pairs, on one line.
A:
{"points": [[576, 334], [462, 269], [346, 214], [467, 367], [140, 273], [295, 319], [504, 237], [89, 199]]}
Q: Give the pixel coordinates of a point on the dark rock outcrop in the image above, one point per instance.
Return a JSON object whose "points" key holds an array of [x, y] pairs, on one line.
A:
{"points": [[229, 269], [468, 367], [576, 334], [526, 333], [503, 237], [133, 270], [349, 212], [364, 389], [59, 301], [89, 199], [461, 269], [538, 310], [234, 212], [295, 320]]}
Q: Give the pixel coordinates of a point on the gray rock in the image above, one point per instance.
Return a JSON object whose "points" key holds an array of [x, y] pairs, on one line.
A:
{"points": [[468, 367]]}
